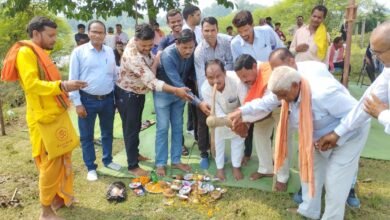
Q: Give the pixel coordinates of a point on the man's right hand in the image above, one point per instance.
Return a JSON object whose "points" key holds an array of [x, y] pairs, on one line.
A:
{"points": [[81, 112], [235, 117], [72, 85], [302, 48], [182, 93]]}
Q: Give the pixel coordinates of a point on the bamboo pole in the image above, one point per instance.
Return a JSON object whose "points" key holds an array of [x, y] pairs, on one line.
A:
{"points": [[351, 16], [2, 119]]}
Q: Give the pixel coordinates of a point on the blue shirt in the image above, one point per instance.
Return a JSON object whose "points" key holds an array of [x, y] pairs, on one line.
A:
{"points": [[265, 41], [97, 68], [175, 70], [166, 41]]}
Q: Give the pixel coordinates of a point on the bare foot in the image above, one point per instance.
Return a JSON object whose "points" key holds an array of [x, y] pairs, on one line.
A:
{"points": [[221, 174], [280, 187], [48, 214], [57, 203], [181, 166], [160, 171], [142, 158], [237, 173], [245, 160], [138, 172], [256, 175]]}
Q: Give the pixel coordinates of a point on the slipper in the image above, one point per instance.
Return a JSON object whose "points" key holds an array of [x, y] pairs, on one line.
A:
{"points": [[146, 124]]}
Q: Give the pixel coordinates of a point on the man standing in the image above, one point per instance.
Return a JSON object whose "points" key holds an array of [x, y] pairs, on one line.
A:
{"points": [[212, 47], [135, 79], [158, 36], [21, 63], [192, 17], [110, 39], [311, 42], [94, 63], [120, 35], [258, 42], [299, 24], [175, 22], [315, 94], [176, 65], [376, 100], [279, 32], [80, 35]]}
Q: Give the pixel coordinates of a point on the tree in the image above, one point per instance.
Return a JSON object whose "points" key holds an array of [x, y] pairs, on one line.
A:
{"points": [[86, 9]]}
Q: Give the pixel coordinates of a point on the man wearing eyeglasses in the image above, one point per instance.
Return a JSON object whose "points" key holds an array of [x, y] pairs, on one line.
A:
{"points": [[94, 63], [376, 99]]}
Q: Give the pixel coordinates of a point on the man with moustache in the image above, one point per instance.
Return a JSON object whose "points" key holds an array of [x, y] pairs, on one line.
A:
{"points": [[94, 63], [176, 66], [135, 79], [213, 46]]}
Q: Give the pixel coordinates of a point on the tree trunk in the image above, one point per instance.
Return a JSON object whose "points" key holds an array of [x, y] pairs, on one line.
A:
{"points": [[2, 119], [152, 12]]}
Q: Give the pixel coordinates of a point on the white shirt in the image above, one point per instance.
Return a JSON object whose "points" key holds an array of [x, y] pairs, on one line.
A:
{"points": [[226, 101], [330, 102], [122, 37], [205, 52], [381, 88], [197, 31], [110, 40], [265, 41]]}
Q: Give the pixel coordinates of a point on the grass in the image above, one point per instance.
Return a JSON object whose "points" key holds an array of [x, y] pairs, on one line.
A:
{"points": [[18, 171]]}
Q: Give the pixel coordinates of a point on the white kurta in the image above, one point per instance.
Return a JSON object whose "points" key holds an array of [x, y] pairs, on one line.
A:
{"points": [[262, 133], [226, 102], [381, 88], [333, 168]]}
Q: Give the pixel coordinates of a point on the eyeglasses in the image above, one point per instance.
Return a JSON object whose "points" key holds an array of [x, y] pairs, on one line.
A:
{"points": [[377, 53]]}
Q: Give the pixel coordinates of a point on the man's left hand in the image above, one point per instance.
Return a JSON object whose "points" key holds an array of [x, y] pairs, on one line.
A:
{"points": [[374, 106]]}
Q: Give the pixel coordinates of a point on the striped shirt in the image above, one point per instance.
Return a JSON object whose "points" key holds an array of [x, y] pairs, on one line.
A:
{"points": [[205, 52]]}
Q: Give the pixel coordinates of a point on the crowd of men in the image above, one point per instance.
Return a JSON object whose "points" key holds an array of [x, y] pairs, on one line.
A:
{"points": [[266, 90]]}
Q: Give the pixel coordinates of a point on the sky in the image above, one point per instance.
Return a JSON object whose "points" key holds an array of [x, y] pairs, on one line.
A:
{"points": [[206, 3]]}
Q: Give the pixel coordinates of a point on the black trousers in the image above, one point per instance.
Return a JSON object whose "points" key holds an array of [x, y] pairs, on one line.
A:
{"points": [[203, 134], [249, 142], [130, 106]]}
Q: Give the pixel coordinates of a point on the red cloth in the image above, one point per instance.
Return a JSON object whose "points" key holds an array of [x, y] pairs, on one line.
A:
{"points": [[258, 88]]}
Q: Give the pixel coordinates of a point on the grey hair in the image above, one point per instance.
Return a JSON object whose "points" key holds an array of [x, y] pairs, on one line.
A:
{"points": [[282, 78]]}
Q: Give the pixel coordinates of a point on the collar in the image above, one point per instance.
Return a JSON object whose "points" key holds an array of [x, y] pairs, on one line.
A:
{"points": [[242, 42], [90, 46]]}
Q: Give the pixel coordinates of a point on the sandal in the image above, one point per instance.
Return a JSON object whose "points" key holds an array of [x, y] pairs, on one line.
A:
{"points": [[146, 124], [184, 151]]}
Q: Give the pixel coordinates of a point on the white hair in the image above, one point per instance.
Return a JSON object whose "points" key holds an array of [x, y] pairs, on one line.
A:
{"points": [[282, 78]]}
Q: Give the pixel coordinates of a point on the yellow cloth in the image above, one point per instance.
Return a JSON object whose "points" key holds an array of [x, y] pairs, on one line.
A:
{"points": [[55, 178], [321, 40], [40, 96]]}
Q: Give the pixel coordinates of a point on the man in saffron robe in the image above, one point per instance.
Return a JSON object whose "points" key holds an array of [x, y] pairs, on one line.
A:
{"points": [[46, 100]]}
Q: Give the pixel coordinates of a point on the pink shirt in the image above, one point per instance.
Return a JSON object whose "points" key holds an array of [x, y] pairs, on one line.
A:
{"points": [[303, 36]]}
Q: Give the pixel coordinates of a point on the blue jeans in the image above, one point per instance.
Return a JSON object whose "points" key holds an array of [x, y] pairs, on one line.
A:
{"points": [[169, 111], [105, 110]]}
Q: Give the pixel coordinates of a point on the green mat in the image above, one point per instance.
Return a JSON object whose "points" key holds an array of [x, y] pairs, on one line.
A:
{"points": [[376, 148], [378, 141]]}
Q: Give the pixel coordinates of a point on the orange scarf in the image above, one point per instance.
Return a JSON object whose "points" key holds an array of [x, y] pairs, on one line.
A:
{"points": [[306, 149], [51, 73], [258, 88]]}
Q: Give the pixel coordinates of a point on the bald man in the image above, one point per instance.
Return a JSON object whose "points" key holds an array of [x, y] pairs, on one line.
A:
{"points": [[333, 169], [376, 99]]}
